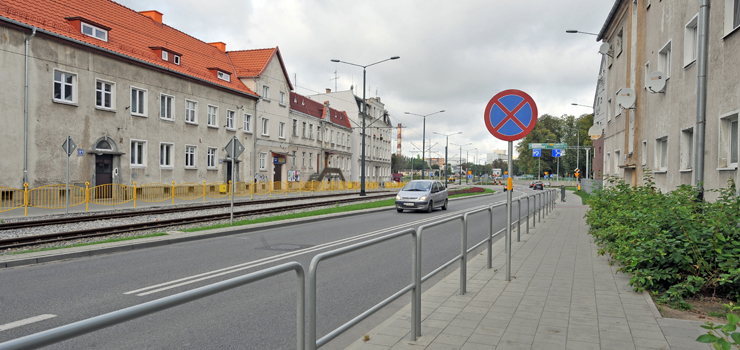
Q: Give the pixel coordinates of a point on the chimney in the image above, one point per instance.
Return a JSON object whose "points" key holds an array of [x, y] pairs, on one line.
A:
{"points": [[153, 14], [328, 90], [219, 45]]}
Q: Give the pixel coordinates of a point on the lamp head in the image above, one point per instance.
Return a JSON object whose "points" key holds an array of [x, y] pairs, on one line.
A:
{"points": [[571, 31], [395, 57], [574, 104], [441, 111], [335, 60]]}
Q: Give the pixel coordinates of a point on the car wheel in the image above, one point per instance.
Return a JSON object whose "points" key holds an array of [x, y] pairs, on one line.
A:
{"points": [[399, 210], [444, 207], [430, 207]]}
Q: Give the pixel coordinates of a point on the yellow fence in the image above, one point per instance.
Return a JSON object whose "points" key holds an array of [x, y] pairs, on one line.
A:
{"points": [[55, 196]]}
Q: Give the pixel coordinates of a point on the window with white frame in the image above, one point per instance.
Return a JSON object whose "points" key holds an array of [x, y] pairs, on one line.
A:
{"points": [[223, 76], [619, 41], [664, 60], [728, 141], [661, 154], [138, 153], [732, 15], [294, 152], [65, 87], [643, 155], [304, 130], [295, 127], [263, 161], [281, 130], [212, 113], [166, 105], [165, 155], [138, 101], [608, 163], [282, 98], [190, 108], [177, 60], [230, 116], [303, 161], [318, 133], [691, 41], [104, 94], [687, 149], [265, 127], [617, 160], [247, 122], [310, 160], [310, 131], [165, 56], [190, 152], [265, 92], [94, 31], [332, 137], [609, 110], [211, 160]]}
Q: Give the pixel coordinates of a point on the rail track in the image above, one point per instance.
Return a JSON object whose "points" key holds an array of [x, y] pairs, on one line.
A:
{"points": [[112, 230]]}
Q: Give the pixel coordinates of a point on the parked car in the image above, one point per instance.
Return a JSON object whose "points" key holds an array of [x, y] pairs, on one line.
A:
{"points": [[538, 185], [531, 184], [422, 195], [451, 179], [548, 184]]}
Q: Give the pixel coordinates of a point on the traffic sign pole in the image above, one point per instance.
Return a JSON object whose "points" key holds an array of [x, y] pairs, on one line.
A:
{"points": [[66, 192], [508, 211], [233, 183]]}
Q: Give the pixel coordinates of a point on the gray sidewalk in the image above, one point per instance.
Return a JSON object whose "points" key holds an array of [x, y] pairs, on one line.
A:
{"points": [[562, 296]]}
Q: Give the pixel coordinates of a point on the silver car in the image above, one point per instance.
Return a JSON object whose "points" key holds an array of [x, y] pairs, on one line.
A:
{"points": [[422, 195]]}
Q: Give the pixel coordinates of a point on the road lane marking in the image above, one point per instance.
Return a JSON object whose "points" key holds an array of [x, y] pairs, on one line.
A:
{"points": [[30, 320], [227, 270]]}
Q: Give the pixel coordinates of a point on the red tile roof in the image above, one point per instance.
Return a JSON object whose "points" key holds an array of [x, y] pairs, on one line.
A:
{"points": [[253, 63], [308, 106], [131, 34]]}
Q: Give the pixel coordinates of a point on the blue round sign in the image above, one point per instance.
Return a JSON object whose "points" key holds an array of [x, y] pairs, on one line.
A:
{"points": [[511, 115]]}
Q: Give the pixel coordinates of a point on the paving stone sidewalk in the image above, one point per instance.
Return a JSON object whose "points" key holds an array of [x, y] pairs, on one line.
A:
{"points": [[562, 296]]}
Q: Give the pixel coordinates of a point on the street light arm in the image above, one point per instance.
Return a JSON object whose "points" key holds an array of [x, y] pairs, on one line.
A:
{"points": [[387, 59], [573, 31]]}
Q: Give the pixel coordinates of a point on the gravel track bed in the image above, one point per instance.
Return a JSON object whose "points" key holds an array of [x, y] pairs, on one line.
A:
{"points": [[33, 231]]}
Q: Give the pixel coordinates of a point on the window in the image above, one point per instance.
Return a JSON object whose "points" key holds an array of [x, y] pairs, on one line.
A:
{"points": [[618, 45], [310, 131], [230, 116], [265, 92], [263, 161], [282, 98], [265, 124], [732, 15], [687, 149], [138, 101], [661, 154], [281, 130], [65, 87], [728, 141], [303, 162], [165, 56], [690, 41], [644, 152], [190, 108], [310, 160], [190, 156], [165, 155], [177, 60], [295, 127], [318, 133], [94, 32], [616, 161], [304, 130], [664, 60], [165, 107], [609, 111], [247, 122], [332, 137], [104, 93], [138, 153], [608, 163], [294, 152], [223, 76], [211, 158], [212, 112]]}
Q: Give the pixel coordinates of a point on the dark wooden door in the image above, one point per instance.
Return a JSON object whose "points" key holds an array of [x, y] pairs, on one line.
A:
{"points": [[103, 169]]}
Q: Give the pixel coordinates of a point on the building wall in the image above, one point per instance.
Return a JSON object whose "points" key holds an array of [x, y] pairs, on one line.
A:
{"points": [[50, 122]]}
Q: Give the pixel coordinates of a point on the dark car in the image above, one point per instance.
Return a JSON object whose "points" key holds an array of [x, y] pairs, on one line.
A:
{"points": [[538, 185], [531, 184]]}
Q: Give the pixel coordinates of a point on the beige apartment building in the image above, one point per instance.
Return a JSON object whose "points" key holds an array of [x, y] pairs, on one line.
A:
{"points": [[657, 133]]}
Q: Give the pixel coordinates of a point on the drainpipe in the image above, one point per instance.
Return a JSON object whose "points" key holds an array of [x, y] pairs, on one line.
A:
{"points": [[25, 114], [701, 96], [254, 139]]}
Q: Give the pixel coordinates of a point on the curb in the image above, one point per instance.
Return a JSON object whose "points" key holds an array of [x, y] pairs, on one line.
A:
{"points": [[173, 237]]}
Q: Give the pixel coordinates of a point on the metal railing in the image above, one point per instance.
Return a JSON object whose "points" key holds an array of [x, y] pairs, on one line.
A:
{"points": [[308, 301], [54, 196]]}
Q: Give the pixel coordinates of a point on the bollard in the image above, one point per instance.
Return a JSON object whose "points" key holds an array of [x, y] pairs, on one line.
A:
{"points": [[519, 219]]}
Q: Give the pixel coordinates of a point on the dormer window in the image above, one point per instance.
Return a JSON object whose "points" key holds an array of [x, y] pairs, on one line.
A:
{"points": [[165, 56], [93, 31], [177, 60], [224, 76]]}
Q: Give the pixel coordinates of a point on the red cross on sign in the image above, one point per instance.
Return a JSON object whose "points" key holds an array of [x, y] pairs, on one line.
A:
{"points": [[510, 115]]}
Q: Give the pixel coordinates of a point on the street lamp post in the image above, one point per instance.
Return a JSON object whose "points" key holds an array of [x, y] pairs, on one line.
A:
{"points": [[423, 136], [461, 146], [447, 143], [364, 115], [573, 31]]}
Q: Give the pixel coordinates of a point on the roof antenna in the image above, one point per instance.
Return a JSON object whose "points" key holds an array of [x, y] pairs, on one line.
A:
{"points": [[335, 80]]}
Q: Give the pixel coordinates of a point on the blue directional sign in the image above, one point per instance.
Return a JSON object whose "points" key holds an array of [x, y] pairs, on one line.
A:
{"points": [[557, 153], [536, 153]]}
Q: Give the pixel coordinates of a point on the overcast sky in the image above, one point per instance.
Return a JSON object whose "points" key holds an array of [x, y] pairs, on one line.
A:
{"points": [[455, 55]]}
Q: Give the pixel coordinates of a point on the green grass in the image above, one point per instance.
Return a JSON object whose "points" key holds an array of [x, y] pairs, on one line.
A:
{"points": [[111, 240], [352, 207]]}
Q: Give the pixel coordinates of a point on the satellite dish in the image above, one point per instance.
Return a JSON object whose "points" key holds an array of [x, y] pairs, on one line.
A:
{"points": [[604, 49], [626, 98], [594, 132], [655, 82]]}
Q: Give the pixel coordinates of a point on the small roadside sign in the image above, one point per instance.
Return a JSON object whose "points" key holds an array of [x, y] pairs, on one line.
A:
{"points": [[536, 153], [237, 148], [510, 115], [557, 153], [72, 146]]}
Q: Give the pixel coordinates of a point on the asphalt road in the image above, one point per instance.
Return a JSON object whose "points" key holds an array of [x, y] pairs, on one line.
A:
{"points": [[256, 316]]}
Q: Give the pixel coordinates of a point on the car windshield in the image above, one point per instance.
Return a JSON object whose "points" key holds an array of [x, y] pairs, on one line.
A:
{"points": [[417, 186]]}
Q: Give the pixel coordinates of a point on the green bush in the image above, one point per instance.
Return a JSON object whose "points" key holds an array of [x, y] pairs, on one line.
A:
{"points": [[670, 243]]}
